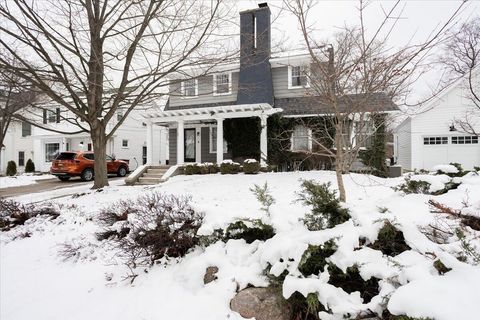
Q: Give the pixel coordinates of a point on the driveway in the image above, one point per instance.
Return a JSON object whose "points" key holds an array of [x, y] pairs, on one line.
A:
{"points": [[46, 185]]}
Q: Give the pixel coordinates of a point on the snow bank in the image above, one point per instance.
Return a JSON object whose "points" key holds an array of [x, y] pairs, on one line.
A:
{"points": [[445, 168], [22, 180]]}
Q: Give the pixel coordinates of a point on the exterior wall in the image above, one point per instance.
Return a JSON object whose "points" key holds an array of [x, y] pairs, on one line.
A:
{"points": [[403, 144], [14, 143], [436, 121], [205, 93]]}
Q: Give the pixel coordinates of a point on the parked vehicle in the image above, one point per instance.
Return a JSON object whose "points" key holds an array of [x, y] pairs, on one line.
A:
{"points": [[80, 164]]}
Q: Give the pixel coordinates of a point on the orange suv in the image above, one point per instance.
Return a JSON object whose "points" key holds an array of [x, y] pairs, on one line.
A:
{"points": [[80, 164]]}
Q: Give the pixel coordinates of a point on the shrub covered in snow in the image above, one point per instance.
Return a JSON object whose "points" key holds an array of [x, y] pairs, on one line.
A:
{"points": [[390, 241], [230, 167], [326, 209], [13, 213], [152, 227], [251, 166], [249, 230], [432, 183], [190, 169]]}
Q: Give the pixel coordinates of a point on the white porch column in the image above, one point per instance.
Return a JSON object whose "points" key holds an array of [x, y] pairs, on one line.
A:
{"points": [[180, 142], [149, 142], [263, 140], [219, 140]]}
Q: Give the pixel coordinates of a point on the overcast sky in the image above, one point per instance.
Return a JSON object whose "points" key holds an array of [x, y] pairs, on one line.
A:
{"points": [[417, 20]]}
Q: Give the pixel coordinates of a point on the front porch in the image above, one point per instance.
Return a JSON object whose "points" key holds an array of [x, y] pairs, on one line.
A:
{"points": [[197, 134]]}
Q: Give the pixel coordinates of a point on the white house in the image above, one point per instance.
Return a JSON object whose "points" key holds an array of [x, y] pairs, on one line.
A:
{"points": [[432, 137], [40, 145]]}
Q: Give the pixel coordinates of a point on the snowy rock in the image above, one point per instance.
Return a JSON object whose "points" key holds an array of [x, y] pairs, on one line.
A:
{"points": [[261, 303], [210, 275]]}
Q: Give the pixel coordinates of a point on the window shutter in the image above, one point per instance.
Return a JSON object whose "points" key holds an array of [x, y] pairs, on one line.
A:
{"points": [[44, 116], [58, 115]]}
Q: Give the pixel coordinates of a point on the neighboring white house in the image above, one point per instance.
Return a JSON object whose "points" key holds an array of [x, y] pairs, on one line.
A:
{"points": [[18, 146], [431, 137], [128, 142]]}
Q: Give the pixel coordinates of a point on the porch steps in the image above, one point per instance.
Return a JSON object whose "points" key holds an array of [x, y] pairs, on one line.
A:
{"points": [[153, 175]]}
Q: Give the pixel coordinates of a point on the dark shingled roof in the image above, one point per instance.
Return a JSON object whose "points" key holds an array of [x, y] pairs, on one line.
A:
{"points": [[312, 105]]}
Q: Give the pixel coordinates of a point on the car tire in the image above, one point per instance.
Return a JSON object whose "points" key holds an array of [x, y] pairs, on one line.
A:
{"points": [[122, 171], [64, 178], [87, 175]]}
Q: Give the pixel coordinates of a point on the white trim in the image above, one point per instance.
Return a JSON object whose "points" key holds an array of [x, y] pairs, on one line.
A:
{"points": [[215, 84], [182, 89], [307, 85], [309, 139]]}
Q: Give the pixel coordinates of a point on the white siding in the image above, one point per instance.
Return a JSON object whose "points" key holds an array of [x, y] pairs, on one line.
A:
{"points": [[403, 144], [14, 143]]}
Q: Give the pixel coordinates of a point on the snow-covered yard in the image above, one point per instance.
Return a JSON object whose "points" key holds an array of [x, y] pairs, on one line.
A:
{"points": [[22, 180], [37, 283]]}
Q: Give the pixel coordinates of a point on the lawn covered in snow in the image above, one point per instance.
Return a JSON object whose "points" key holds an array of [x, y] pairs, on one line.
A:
{"points": [[22, 180], [36, 282]]}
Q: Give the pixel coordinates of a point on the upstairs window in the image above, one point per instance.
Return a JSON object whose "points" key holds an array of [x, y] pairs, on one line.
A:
{"points": [[465, 140], [124, 143], [301, 139], [190, 88], [119, 115], [298, 77], [26, 129], [51, 116], [222, 83], [435, 140]]}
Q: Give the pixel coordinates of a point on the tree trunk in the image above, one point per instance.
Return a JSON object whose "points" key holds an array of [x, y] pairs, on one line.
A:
{"points": [[99, 140], [339, 161]]}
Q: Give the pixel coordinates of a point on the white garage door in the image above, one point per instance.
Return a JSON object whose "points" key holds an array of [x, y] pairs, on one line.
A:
{"points": [[442, 150]]}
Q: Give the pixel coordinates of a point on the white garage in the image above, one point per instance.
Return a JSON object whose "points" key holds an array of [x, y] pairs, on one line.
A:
{"points": [[433, 136]]}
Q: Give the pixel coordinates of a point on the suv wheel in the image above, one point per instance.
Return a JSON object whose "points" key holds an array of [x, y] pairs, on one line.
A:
{"points": [[122, 172], [87, 175]]}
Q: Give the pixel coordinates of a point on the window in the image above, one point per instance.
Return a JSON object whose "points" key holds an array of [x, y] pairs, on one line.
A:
{"points": [[301, 139], [26, 129], [213, 141], [89, 147], [364, 133], [189, 88], [465, 140], [124, 143], [89, 156], [144, 155], [222, 84], [51, 150], [298, 77], [435, 140], [51, 116], [21, 158]]}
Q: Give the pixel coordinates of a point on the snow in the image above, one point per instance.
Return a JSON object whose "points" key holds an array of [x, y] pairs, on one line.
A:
{"points": [[22, 180], [437, 181], [93, 285], [445, 168]]}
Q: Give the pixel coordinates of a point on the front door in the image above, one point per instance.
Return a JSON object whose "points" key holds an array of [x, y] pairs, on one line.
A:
{"points": [[189, 147]]}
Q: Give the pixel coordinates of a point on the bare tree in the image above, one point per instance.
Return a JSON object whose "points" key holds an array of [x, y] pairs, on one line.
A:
{"points": [[461, 59], [94, 57], [354, 78]]}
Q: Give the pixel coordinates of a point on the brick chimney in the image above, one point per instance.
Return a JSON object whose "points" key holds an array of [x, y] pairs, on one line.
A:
{"points": [[255, 78]]}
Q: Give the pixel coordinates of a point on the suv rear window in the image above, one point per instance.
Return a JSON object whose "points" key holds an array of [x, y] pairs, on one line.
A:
{"points": [[88, 156], [66, 156]]}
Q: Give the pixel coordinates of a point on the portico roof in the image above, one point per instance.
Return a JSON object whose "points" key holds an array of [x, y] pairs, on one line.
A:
{"points": [[217, 112]]}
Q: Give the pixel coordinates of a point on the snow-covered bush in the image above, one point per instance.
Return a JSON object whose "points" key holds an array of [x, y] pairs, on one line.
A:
{"points": [[451, 170], [326, 209], [390, 241], [208, 167], [152, 227], [230, 167], [190, 169], [249, 230], [13, 213], [251, 166], [432, 183]]}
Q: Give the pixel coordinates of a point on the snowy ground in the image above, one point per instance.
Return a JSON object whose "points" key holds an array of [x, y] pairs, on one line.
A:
{"points": [[22, 180], [36, 283]]}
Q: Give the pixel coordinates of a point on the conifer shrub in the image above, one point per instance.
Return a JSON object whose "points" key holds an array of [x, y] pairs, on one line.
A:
{"points": [[351, 281], [390, 241], [326, 209], [29, 166], [251, 166], [11, 168], [229, 167], [314, 259], [249, 230]]}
